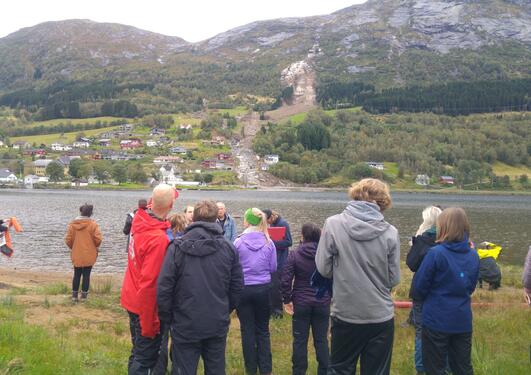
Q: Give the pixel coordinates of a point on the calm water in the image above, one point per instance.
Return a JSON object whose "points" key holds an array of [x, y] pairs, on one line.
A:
{"points": [[44, 216]]}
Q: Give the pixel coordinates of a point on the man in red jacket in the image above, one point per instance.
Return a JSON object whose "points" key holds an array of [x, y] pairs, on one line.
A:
{"points": [[147, 248]]}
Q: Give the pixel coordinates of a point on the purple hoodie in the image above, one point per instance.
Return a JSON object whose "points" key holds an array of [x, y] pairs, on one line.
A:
{"points": [[258, 257]]}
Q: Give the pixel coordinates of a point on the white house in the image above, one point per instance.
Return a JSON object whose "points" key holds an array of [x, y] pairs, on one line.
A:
{"points": [[376, 165], [151, 143], [18, 145], [168, 177], [81, 144], [271, 159], [167, 159], [422, 180], [6, 176], [2, 144], [33, 179], [60, 147]]}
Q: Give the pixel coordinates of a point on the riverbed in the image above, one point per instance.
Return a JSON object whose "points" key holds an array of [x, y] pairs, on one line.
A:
{"points": [[45, 214]]}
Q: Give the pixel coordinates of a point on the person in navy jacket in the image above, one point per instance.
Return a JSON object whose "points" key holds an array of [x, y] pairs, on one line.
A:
{"points": [[444, 282]]}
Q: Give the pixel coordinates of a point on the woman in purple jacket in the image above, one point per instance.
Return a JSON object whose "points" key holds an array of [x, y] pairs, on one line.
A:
{"points": [[300, 300], [258, 259]]}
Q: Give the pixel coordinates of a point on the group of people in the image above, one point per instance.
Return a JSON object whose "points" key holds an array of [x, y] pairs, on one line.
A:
{"points": [[187, 272]]}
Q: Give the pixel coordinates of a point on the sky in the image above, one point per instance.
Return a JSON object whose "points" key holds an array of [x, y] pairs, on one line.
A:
{"points": [[192, 20]]}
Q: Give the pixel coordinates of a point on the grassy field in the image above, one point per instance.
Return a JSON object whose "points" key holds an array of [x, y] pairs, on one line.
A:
{"points": [[77, 121], [502, 169], [41, 332], [65, 138]]}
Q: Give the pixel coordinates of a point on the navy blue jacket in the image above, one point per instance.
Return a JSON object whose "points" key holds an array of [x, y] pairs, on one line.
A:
{"points": [[444, 282], [287, 241]]}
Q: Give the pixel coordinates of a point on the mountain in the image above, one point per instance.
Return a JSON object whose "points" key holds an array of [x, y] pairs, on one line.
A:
{"points": [[385, 43]]}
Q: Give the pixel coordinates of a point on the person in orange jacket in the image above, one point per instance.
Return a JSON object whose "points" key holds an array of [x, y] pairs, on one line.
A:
{"points": [[83, 237], [147, 248]]}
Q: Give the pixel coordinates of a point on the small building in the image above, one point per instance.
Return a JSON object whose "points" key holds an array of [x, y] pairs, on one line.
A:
{"points": [[126, 127], [79, 182], [60, 147], [6, 176], [422, 180], [271, 159], [39, 166], [104, 142], [151, 143], [185, 127], [21, 145], [131, 143], [65, 161], [446, 180], [2, 144], [376, 165], [167, 159], [81, 144], [157, 131], [217, 164], [169, 177], [31, 179], [224, 156], [35, 151], [178, 150]]}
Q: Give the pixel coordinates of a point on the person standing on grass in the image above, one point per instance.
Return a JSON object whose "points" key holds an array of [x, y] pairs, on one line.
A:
{"points": [[83, 237], [259, 260], [226, 222], [275, 220], [424, 239], [147, 248], [198, 287], [361, 251], [300, 301], [444, 283]]}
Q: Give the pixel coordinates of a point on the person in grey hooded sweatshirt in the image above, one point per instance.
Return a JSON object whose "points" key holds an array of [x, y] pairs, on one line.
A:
{"points": [[361, 252]]}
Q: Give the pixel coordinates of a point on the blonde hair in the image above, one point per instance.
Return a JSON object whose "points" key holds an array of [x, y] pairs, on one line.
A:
{"points": [[177, 222], [429, 217], [262, 225], [371, 190], [452, 225]]}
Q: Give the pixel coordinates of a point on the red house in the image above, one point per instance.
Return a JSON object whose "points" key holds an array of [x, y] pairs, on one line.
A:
{"points": [[131, 143]]}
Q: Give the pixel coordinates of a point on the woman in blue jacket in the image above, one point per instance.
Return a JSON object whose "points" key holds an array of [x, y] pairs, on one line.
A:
{"points": [[444, 283]]}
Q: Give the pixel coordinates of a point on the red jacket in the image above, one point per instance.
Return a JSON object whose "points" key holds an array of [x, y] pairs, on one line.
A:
{"points": [[145, 255]]}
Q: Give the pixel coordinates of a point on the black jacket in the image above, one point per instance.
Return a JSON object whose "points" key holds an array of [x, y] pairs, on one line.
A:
{"points": [[287, 241], [199, 284], [419, 249]]}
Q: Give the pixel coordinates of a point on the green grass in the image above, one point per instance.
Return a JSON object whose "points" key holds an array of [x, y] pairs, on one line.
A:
{"points": [[502, 169], [48, 139], [55, 289], [77, 121], [236, 111]]}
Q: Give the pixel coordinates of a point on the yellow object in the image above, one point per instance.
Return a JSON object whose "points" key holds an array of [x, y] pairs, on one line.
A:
{"points": [[489, 249]]}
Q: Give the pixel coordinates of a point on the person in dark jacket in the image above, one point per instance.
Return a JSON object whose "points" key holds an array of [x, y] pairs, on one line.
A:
{"points": [[424, 240], [200, 283], [282, 246], [142, 205], [258, 259], [444, 283], [300, 300]]}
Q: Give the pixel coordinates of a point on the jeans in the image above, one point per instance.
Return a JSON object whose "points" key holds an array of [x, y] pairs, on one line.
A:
{"points": [[185, 356], [78, 272], [373, 342], [417, 321], [304, 317], [438, 346], [145, 351], [275, 295], [253, 312]]}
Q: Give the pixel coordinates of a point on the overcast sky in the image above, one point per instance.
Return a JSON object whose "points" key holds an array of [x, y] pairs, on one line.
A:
{"points": [[193, 20]]}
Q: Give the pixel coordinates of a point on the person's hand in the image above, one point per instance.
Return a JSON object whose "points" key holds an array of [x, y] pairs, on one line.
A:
{"points": [[288, 308]]}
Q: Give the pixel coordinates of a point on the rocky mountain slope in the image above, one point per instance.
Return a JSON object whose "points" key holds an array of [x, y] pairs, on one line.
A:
{"points": [[385, 42]]}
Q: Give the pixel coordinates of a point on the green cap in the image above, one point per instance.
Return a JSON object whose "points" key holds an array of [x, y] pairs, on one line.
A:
{"points": [[251, 218]]}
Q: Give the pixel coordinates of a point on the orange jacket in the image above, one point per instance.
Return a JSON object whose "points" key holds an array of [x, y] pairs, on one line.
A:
{"points": [[83, 238]]}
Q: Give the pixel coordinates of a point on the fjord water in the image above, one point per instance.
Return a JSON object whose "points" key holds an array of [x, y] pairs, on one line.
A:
{"points": [[44, 215]]}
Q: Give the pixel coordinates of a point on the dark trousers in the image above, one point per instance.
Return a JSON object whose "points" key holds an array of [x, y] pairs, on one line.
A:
{"points": [[185, 356], [437, 346], [162, 362], [275, 295], [417, 322], [145, 351], [78, 272], [304, 317], [372, 342], [253, 312]]}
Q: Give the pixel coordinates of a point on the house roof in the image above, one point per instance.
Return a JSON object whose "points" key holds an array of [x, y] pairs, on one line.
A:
{"points": [[4, 173], [42, 162]]}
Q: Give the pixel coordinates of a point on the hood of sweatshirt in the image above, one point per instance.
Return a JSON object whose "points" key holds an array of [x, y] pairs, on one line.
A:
{"points": [[81, 222], [363, 221], [308, 249], [458, 247], [253, 241], [200, 240], [144, 222]]}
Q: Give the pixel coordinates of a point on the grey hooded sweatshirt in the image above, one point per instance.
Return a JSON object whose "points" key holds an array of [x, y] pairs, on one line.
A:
{"points": [[361, 252]]}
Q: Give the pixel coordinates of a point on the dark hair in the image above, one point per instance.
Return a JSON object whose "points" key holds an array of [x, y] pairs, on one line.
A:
{"points": [[86, 210], [267, 212], [206, 211], [142, 204], [310, 233]]}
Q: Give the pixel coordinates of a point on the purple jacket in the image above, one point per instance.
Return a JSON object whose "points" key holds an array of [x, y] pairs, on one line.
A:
{"points": [[301, 265], [258, 257]]}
